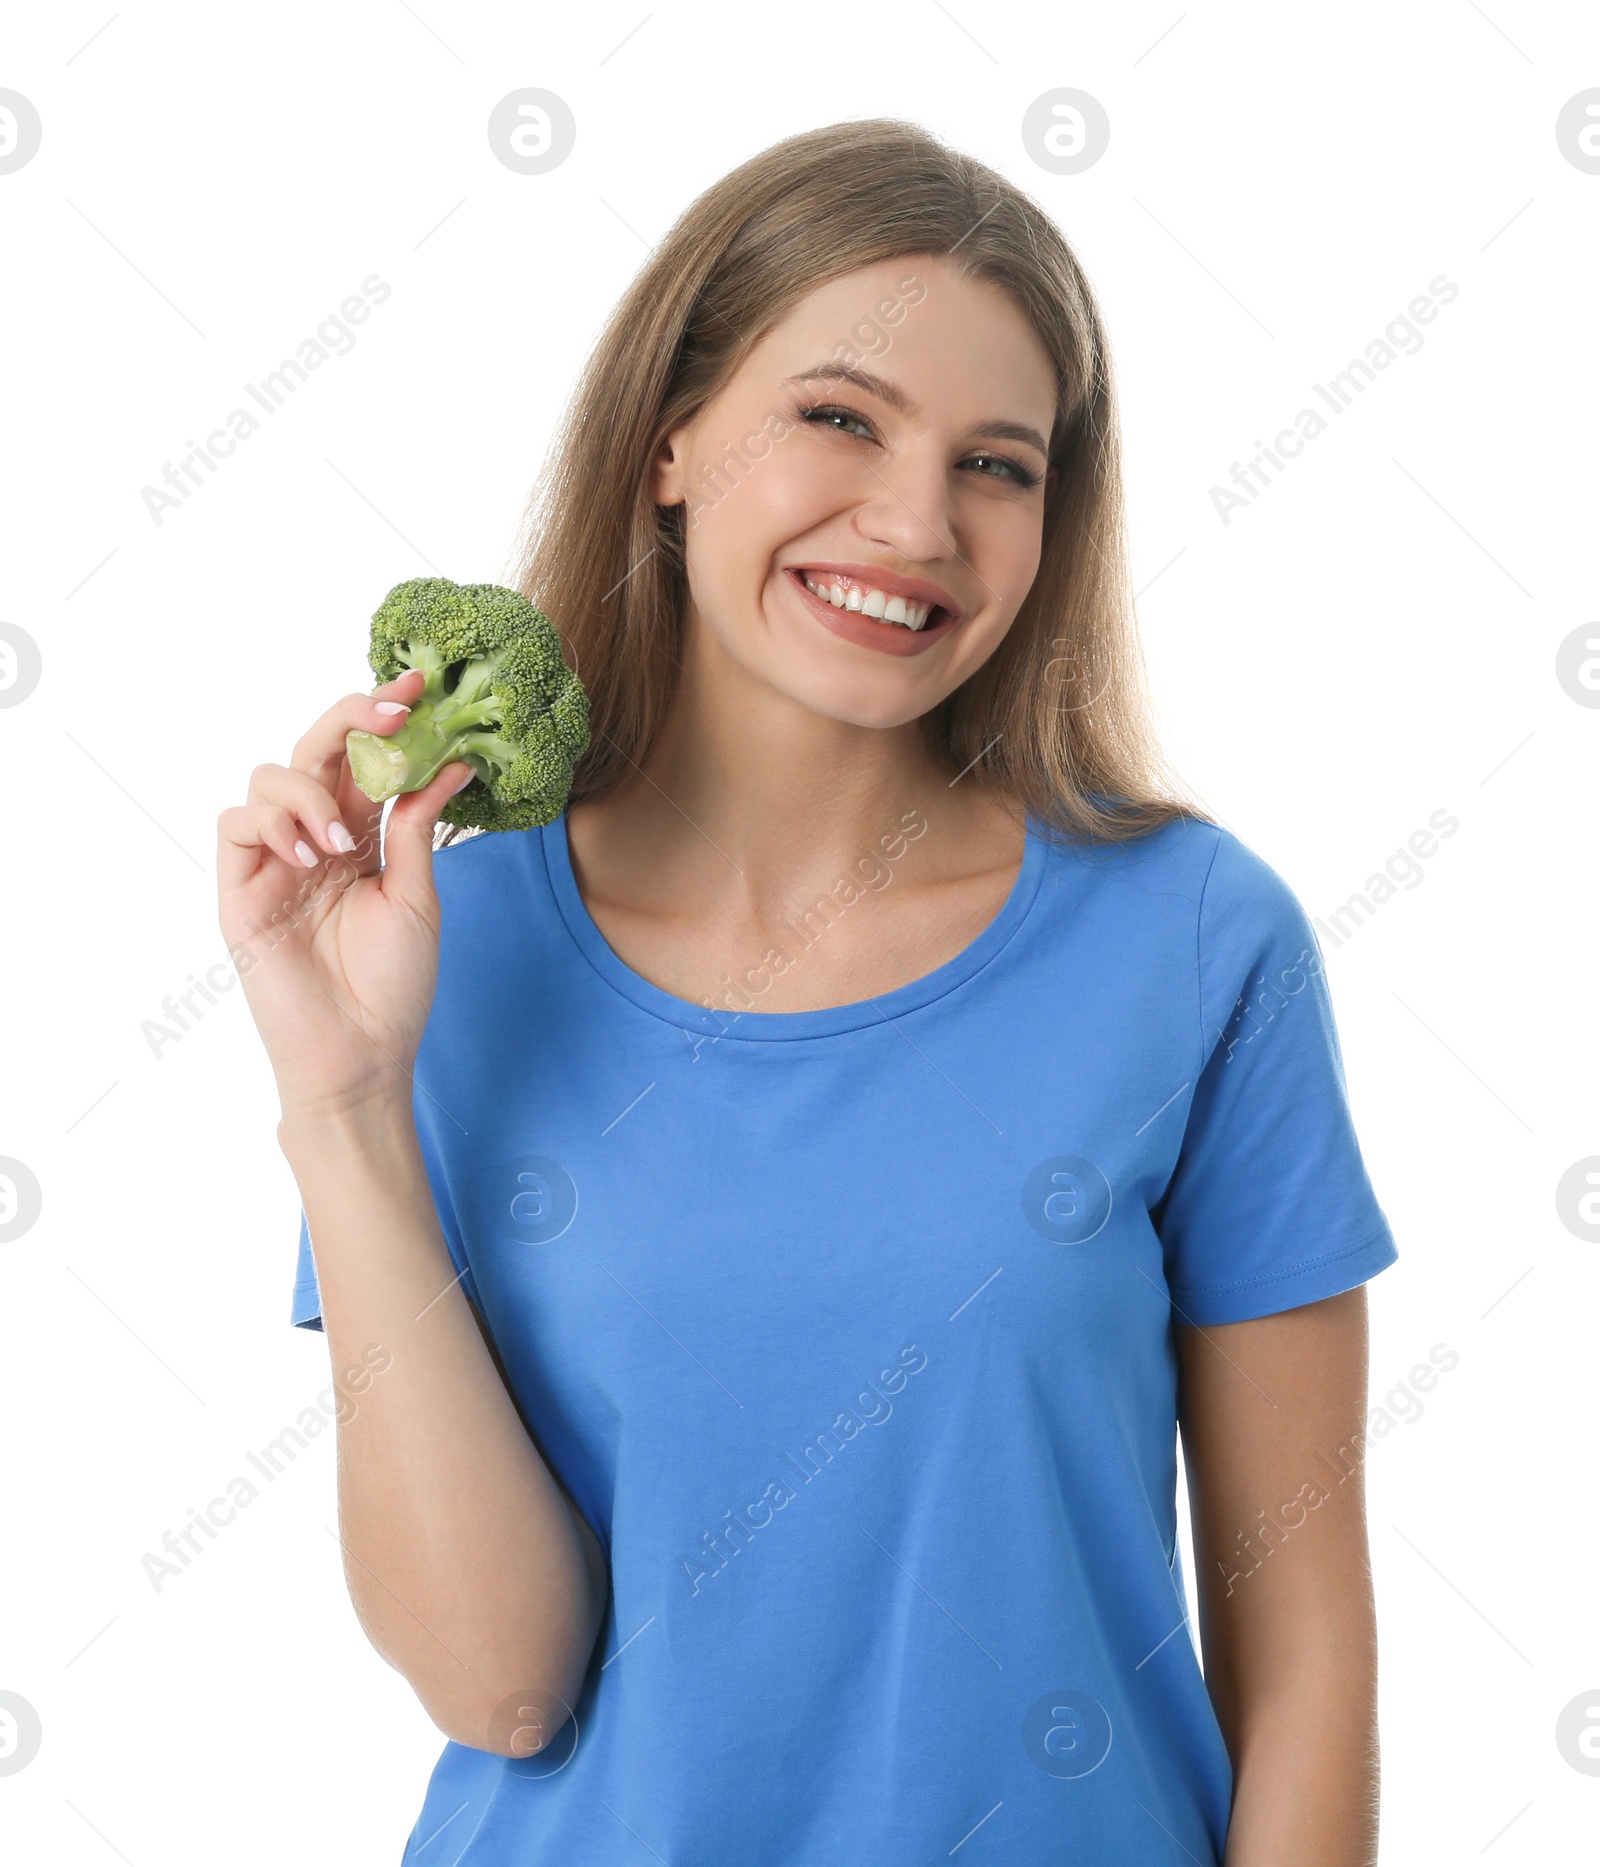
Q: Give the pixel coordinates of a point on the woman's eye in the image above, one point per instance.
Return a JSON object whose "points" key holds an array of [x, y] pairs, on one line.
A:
{"points": [[838, 418], [996, 466], [990, 466]]}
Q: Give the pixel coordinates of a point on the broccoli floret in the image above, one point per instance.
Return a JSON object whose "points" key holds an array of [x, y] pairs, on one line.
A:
{"points": [[497, 695]]}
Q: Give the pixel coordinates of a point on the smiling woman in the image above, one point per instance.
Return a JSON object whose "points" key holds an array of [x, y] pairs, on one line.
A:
{"points": [[834, 534], [735, 328]]}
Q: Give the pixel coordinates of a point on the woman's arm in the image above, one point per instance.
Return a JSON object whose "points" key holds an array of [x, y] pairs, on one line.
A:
{"points": [[470, 1569], [1272, 1413]]}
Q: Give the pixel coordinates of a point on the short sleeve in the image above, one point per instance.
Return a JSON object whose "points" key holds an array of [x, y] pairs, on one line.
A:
{"points": [[1270, 1205], [305, 1311]]}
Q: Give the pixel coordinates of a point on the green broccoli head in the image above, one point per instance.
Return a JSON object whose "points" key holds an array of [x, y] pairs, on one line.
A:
{"points": [[497, 694]]}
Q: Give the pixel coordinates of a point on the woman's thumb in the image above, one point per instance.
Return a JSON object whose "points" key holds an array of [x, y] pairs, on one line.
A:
{"points": [[408, 836]]}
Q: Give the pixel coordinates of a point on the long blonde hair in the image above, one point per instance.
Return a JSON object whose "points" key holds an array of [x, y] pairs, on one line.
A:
{"points": [[1057, 719]]}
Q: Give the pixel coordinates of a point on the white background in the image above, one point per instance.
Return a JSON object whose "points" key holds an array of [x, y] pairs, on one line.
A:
{"points": [[1372, 641]]}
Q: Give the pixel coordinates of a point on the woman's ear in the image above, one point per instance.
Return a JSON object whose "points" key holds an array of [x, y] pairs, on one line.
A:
{"points": [[668, 475]]}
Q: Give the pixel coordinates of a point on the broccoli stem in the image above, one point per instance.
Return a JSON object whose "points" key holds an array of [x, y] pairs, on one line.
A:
{"points": [[463, 719], [440, 728]]}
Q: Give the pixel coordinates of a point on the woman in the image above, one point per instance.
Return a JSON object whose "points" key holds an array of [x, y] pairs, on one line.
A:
{"points": [[795, 1198]]}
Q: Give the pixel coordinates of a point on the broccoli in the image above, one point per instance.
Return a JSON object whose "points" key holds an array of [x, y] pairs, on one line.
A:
{"points": [[497, 695]]}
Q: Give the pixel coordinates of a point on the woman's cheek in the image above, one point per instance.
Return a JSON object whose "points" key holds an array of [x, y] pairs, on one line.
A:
{"points": [[1007, 547], [798, 485]]}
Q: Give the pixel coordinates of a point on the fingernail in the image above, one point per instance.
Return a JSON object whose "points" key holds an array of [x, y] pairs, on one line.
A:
{"points": [[391, 706], [307, 855], [340, 837], [462, 785]]}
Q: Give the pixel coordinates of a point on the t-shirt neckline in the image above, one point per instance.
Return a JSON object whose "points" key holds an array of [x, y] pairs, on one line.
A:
{"points": [[779, 1026]]}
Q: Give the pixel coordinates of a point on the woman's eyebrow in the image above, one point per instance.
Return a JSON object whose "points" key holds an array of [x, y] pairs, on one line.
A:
{"points": [[897, 399]]}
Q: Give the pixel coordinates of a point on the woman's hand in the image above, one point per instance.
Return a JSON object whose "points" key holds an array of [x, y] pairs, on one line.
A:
{"points": [[338, 957]]}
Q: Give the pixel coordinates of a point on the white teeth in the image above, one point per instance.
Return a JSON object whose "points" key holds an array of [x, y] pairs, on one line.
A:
{"points": [[876, 603]]}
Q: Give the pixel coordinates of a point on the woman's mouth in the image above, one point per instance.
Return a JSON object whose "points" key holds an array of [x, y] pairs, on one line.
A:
{"points": [[867, 613]]}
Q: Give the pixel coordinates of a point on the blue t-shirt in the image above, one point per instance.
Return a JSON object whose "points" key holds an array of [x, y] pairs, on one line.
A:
{"points": [[851, 1333]]}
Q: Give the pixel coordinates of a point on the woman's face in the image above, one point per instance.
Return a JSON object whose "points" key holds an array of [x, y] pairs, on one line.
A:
{"points": [[877, 460]]}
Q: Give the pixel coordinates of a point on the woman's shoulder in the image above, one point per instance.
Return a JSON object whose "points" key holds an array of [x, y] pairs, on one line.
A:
{"points": [[1225, 879]]}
